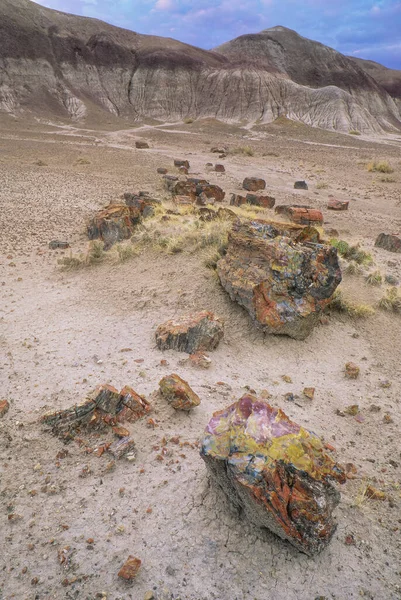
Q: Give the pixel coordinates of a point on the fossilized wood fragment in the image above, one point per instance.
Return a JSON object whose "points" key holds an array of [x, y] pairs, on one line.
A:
{"points": [[275, 470], [114, 223], [190, 333], [280, 274], [104, 405], [389, 241], [253, 184], [178, 392]]}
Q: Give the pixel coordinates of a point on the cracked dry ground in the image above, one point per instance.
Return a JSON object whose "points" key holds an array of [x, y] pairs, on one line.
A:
{"points": [[61, 334]]}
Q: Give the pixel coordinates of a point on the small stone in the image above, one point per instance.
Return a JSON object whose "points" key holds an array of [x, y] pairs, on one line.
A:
{"points": [[149, 596], [162, 171], [391, 280], [123, 447], [390, 242], [181, 163], [253, 184], [387, 419], [335, 204], [178, 393], [286, 378], [4, 408], [200, 359], [57, 244], [309, 392], [141, 145], [120, 432], [219, 168], [374, 494], [300, 185], [351, 370], [130, 568]]}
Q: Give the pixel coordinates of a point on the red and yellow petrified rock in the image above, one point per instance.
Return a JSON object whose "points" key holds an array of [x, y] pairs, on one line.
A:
{"points": [[282, 274], [275, 470]]}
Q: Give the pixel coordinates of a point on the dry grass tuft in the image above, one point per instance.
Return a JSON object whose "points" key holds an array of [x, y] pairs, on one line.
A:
{"points": [[322, 185], [391, 301], [245, 150], [355, 253], [353, 268], [379, 167], [83, 161], [386, 179], [188, 120], [374, 278], [342, 305], [354, 132]]}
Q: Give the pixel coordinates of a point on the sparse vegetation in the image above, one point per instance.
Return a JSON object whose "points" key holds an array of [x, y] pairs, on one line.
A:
{"points": [[353, 268], [391, 301], [354, 132], [379, 167], [374, 278], [322, 185], [342, 305], [124, 252], [386, 179], [40, 163], [188, 120], [245, 150], [355, 253], [94, 255], [83, 161]]}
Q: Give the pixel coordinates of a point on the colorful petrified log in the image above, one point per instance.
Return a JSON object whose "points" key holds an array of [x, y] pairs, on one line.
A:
{"points": [[103, 405], [178, 393], [114, 223], [275, 470], [281, 274], [190, 333]]}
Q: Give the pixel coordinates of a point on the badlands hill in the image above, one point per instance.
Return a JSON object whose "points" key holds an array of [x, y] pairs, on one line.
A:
{"points": [[65, 66], [389, 79]]}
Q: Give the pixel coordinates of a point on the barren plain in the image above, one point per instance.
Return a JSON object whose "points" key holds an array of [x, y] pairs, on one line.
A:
{"points": [[63, 332]]}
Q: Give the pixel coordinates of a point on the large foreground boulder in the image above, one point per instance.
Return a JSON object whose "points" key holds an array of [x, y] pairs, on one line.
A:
{"points": [[192, 333], [275, 470], [281, 274], [389, 241], [114, 223]]}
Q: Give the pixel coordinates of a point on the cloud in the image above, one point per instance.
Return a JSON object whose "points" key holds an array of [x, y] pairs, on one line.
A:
{"points": [[165, 5]]}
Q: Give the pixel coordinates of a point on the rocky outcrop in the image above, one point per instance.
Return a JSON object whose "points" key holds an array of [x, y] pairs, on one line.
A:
{"points": [[74, 67], [276, 471], [284, 277], [178, 393], [190, 333], [389, 241]]}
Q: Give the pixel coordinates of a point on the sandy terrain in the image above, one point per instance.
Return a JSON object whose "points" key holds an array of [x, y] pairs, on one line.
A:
{"points": [[62, 333]]}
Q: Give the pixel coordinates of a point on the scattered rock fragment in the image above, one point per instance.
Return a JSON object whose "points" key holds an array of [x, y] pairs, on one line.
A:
{"points": [[219, 149], [283, 283], [141, 145], [58, 245], [260, 200], [104, 405], [201, 360], [219, 168], [114, 223], [178, 393], [130, 568], [162, 171], [170, 182], [4, 408], [335, 204], [275, 470], [309, 392], [143, 202], [123, 447], [192, 333], [181, 163], [374, 494], [253, 184], [300, 185], [352, 370], [389, 241], [300, 214]]}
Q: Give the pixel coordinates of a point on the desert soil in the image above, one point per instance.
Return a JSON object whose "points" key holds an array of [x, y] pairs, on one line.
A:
{"points": [[64, 332]]}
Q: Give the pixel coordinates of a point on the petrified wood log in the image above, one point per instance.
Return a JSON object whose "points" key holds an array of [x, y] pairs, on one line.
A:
{"points": [[280, 275], [275, 470], [114, 223], [190, 333], [103, 405], [389, 241]]}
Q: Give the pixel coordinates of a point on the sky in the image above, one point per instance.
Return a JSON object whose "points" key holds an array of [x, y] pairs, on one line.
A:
{"points": [[368, 29]]}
